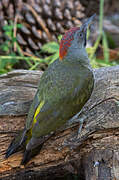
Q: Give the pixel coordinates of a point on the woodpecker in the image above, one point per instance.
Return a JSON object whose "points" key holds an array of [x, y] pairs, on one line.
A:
{"points": [[63, 90]]}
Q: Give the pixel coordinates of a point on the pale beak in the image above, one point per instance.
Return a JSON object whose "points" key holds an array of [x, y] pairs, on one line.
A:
{"points": [[87, 23]]}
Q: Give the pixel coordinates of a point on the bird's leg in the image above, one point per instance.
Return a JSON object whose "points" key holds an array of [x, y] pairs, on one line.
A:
{"points": [[80, 118], [81, 121], [75, 118]]}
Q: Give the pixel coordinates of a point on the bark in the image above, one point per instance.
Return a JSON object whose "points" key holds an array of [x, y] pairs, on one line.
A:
{"points": [[95, 155]]}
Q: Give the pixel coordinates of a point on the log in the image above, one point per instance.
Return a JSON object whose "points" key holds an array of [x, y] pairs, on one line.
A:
{"points": [[95, 155]]}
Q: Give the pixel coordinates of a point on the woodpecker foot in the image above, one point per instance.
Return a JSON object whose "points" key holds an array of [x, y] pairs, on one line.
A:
{"points": [[75, 118], [81, 121], [78, 118]]}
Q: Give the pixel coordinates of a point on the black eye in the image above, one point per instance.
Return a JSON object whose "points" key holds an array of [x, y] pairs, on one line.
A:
{"points": [[81, 35]]}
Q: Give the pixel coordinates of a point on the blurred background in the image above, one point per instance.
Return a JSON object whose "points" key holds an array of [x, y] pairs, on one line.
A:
{"points": [[30, 31]]}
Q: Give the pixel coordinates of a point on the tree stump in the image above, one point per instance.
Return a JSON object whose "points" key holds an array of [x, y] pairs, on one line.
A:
{"points": [[95, 155]]}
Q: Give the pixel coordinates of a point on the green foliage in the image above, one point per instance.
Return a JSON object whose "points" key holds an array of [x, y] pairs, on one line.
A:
{"points": [[7, 48], [10, 58], [6, 64], [111, 42], [53, 49], [105, 47], [106, 39]]}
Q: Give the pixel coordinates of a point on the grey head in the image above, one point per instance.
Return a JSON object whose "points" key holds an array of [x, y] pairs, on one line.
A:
{"points": [[73, 43]]}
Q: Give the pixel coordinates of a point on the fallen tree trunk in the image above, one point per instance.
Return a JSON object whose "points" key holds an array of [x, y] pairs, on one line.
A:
{"points": [[95, 155]]}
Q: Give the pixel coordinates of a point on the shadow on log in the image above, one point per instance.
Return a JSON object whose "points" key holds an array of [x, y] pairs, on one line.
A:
{"points": [[94, 156]]}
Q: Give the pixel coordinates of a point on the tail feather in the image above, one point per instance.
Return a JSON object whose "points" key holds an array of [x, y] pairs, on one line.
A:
{"points": [[34, 147], [17, 143], [28, 154], [31, 145]]}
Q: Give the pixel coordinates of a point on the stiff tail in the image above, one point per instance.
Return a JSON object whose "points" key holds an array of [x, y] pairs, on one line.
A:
{"points": [[28, 154], [17, 143], [33, 147]]}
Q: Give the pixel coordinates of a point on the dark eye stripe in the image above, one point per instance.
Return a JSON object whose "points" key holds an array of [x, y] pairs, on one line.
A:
{"points": [[85, 40]]}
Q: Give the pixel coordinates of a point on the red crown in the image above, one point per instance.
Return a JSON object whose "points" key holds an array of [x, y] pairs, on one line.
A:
{"points": [[66, 42]]}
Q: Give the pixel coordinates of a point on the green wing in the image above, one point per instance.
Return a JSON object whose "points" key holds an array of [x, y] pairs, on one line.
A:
{"points": [[32, 111]]}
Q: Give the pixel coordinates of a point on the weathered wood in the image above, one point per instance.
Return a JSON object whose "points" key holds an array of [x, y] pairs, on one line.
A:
{"points": [[94, 155]]}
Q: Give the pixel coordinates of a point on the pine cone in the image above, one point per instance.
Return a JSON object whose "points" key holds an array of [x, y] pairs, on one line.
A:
{"points": [[42, 20]]}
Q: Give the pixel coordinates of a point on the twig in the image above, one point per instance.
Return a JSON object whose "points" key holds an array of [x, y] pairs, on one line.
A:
{"points": [[15, 30]]}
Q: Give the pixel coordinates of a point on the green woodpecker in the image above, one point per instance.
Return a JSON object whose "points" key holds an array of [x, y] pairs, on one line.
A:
{"points": [[63, 90]]}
